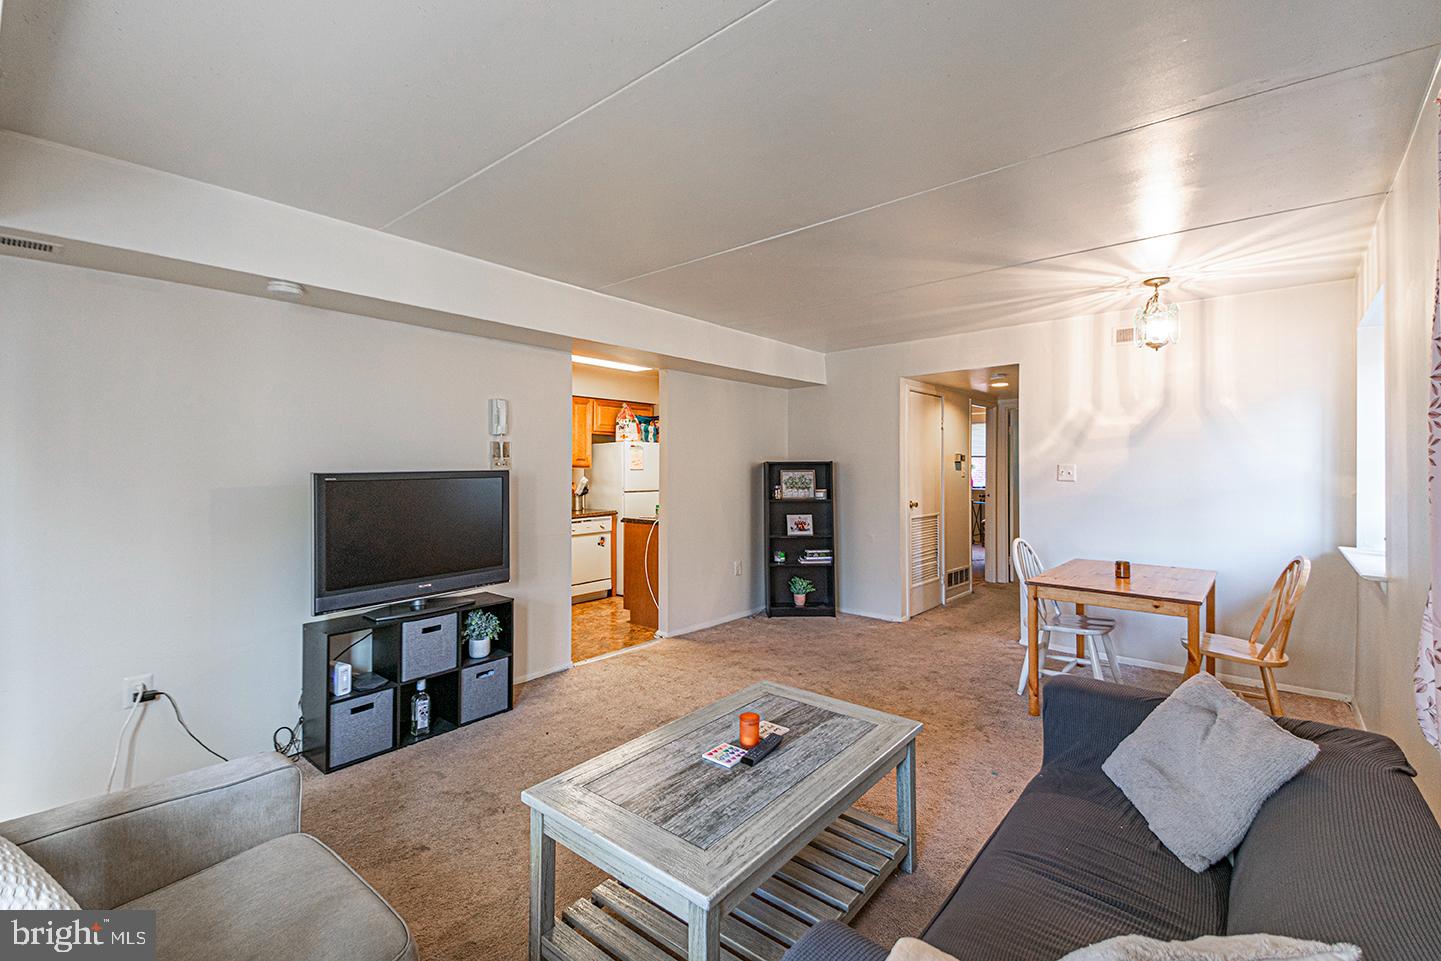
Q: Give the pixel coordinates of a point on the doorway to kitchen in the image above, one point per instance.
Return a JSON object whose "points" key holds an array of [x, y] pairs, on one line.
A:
{"points": [[958, 465], [615, 505]]}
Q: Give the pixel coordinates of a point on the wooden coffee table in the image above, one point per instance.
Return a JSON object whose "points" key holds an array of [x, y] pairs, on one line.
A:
{"points": [[719, 864]]}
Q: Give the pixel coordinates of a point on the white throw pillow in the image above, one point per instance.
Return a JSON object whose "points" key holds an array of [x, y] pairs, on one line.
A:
{"points": [[25, 885], [1239, 947]]}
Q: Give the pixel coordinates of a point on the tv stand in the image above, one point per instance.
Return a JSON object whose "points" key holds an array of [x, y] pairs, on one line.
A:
{"points": [[424, 605], [414, 646]]}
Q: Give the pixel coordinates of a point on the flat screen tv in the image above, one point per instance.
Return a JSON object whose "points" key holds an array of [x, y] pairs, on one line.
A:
{"points": [[381, 538]]}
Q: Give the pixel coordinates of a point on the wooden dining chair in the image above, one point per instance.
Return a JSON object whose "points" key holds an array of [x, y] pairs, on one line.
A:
{"points": [[1053, 620], [1265, 649]]}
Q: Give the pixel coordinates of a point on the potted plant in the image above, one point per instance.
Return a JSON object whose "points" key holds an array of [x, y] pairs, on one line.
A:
{"points": [[800, 587], [482, 629]]}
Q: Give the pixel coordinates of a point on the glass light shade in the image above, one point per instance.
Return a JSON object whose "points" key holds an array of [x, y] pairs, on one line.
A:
{"points": [[1157, 324]]}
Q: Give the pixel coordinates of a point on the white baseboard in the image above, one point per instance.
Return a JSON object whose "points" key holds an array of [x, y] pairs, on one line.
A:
{"points": [[893, 618], [543, 672], [724, 619], [1241, 679]]}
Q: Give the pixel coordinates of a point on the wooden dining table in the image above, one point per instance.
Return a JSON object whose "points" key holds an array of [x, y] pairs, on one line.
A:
{"points": [[1172, 591]]}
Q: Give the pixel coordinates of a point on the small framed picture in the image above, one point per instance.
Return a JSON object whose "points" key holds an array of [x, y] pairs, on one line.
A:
{"points": [[798, 485], [821, 493], [799, 525]]}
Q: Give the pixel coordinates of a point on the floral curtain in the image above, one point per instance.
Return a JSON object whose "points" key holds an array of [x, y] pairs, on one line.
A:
{"points": [[1428, 661]]}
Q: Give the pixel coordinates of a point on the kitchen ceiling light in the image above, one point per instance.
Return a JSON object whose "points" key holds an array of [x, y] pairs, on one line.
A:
{"points": [[1000, 379], [1157, 323], [284, 288], [612, 364]]}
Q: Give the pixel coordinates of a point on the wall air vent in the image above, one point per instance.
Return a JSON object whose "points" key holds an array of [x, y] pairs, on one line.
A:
{"points": [[24, 243], [958, 576], [1125, 336]]}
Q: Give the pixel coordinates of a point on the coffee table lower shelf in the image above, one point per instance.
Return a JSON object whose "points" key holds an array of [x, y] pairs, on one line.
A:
{"points": [[830, 879]]}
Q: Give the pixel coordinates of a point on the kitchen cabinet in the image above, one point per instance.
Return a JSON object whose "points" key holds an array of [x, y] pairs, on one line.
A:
{"points": [[606, 412], [582, 422], [596, 415]]}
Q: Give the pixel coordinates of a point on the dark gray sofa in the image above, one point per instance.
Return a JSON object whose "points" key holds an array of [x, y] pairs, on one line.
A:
{"points": [[1347, 851]]}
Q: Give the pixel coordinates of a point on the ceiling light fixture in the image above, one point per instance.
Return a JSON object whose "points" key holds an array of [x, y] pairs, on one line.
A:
{"points": [[284, 288], [1000, 379], [612, 364], [1157, 322]]}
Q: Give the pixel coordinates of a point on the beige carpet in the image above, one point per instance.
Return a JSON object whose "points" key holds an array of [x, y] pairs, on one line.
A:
{"points": [[439, 829]]}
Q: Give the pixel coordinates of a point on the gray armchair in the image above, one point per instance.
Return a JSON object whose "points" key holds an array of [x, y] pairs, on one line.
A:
{"points": [[218, 855]]}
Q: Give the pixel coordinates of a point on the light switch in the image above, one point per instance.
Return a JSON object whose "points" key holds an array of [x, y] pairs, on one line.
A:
{"points": [[1066, 473]]}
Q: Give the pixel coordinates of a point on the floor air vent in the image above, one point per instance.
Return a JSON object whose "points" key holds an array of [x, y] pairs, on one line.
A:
{"points": [[34, 246], [958, 576]]}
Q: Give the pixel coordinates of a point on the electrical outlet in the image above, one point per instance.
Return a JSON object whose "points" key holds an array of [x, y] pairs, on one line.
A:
{"points": [[132, 688], [1066, 473], [736, 568]]}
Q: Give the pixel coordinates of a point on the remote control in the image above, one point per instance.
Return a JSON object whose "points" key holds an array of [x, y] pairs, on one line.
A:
{"points": [[758, 753]]}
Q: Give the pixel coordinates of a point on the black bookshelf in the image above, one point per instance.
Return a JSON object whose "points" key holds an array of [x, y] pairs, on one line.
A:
{"points": [[355, 727], [821, 536]]}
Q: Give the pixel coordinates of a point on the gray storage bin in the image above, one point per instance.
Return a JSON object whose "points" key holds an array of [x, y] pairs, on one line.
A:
{"points": [[428, 647], [484, 689], [362, 726]]}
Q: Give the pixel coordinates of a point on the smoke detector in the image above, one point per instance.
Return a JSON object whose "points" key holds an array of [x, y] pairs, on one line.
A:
{"points": [[284, 288]]}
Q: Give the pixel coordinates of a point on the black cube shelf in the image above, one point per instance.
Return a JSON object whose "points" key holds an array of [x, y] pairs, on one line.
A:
{"points": [[779, 503], [345, 730]]}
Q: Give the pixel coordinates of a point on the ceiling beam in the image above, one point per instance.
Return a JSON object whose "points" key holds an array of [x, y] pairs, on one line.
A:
{"points": [[118, 216]]}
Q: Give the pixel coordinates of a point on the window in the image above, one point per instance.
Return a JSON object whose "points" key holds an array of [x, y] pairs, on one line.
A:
{"points": [[1371, 427]]}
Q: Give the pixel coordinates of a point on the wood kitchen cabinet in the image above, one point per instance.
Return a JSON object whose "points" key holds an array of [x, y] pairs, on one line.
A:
{"points": [[606, 412], [582, 422], [596, 415]]}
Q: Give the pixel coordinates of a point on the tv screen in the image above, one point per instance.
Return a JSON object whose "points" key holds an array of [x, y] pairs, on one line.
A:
{"points": [[400, 536]]}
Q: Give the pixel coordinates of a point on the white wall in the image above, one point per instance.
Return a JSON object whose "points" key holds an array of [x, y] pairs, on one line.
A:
{"points": [[1233, 450], [1402, 258], [154, 502], [642, 386], [717, 433]]}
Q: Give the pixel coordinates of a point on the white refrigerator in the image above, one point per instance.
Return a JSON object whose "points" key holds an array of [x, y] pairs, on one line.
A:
{"points": [[625, 478]]}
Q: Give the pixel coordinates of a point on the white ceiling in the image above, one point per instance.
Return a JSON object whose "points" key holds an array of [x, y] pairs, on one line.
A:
{"points": [[831, 173], [977, 380]]}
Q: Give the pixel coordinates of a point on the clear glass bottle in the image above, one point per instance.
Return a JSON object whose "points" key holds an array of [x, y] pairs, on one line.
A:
{"points": [[420, 711]]}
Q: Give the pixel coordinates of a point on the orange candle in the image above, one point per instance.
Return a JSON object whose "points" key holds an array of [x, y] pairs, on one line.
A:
{"points": [[750, 734]]}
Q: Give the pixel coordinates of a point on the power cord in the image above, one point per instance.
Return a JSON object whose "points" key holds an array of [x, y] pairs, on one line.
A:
{"points": [[290, 747], [152, 695], [130, 713], [145, 696]]}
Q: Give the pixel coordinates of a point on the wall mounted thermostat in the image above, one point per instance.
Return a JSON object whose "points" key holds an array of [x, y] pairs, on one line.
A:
{"points": [[499, 416]]}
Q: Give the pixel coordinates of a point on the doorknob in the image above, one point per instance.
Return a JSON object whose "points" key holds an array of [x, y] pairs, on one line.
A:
{"points": [[915, 504]]}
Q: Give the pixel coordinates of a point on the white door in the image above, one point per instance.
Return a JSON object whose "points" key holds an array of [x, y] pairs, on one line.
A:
{"points": [[923, 498]]}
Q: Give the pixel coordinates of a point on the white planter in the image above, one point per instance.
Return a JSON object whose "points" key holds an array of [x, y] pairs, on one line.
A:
{"points": [[478, 647]]}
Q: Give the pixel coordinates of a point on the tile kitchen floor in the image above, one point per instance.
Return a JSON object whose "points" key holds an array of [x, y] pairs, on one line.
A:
{"points": [[603, 627]]}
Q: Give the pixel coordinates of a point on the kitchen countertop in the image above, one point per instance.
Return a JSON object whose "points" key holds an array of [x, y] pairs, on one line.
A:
{"points": [[578, 515], [638, 520]]}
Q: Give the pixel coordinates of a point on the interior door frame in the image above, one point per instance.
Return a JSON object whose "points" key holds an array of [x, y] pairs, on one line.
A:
{"points": [[903, 502]]}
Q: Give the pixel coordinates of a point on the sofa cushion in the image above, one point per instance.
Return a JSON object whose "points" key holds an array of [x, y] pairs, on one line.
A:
{"points": [[289, 898], [26, 886], [1347, 851], [1073, 863]]}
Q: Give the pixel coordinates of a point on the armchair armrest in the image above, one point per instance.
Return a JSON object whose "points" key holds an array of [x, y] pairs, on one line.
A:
{"points": [[833, 941], [1085, 719], [111, 849]]}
